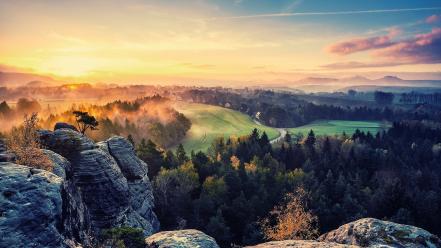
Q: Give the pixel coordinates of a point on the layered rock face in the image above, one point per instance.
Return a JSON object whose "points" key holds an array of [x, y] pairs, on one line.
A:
{"points": [[92, 187], [369, 232], [30, 207], [181, 239]]}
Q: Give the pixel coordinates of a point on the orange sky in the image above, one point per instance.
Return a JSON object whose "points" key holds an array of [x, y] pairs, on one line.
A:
{"points": [[171, 41]]}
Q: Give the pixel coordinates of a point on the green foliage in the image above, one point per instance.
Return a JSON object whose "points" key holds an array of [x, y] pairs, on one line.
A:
{"points": [[181, 155], [217, 227], [239, 181], [210, 122], [150, 153], [338, 127], [123, 237], [172, 189]]}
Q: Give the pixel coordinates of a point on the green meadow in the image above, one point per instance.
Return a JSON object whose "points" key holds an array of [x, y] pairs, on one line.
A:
{"points": [[210, 122], [333, 127]]}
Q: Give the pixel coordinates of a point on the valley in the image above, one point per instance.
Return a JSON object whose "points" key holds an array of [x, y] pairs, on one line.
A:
{"points": [[210, 122]]}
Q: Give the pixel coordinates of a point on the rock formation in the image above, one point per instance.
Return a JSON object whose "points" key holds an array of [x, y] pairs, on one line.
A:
{"points": [[181, 239], [60, 125], [369, 232], [30, 207], [301, 244], [92, 187]]}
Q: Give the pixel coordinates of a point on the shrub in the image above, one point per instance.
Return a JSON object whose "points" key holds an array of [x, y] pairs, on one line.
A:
{"points": [[123, 237], [23, 141], [291, 220]]}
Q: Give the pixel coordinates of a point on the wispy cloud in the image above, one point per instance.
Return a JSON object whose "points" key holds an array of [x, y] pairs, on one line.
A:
{"points": [[433, 19], [349, 12], [363, 44], [423, 48]]}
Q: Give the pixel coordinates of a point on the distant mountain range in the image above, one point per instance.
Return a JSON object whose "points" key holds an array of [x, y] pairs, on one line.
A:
{"points": [[360, 83], [354, 79]]}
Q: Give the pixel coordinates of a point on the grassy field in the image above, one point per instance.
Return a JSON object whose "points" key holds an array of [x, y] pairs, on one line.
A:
{"points": [[210, 122], [332, 127]]}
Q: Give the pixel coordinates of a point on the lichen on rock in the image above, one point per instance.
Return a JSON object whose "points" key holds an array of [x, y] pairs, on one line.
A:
{"points": [[189, 238]]}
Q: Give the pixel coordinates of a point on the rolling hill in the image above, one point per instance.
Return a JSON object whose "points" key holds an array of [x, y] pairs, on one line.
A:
{"points": [[210, 122]]}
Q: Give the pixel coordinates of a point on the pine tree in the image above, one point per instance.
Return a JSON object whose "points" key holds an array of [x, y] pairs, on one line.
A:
{"points": [[181, 155]]}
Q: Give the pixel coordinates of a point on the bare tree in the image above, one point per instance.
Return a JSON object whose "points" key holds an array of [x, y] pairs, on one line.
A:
{"points": [[24, 143], [291, 220]]}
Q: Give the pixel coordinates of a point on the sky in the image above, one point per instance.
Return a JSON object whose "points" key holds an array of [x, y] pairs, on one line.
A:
{"points": [[220, 41]]}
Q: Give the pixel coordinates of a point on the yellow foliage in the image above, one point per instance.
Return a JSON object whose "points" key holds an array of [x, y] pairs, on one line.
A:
{"points": [[235, 162], [290, 220], [24, 143]]}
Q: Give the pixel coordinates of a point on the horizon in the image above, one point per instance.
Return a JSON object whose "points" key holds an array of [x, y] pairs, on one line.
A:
{"points": [[224, 43]]}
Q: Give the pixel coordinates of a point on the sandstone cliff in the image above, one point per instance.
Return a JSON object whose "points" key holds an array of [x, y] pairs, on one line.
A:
{"points": [[92, 187]]}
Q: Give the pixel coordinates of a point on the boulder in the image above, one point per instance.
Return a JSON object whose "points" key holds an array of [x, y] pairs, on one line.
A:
{"points": [[30, 207], [60, 125], [369, 232], [301, 244], [181, 239]]}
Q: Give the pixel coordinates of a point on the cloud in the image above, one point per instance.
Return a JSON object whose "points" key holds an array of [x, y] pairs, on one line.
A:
{"points": [[294, 4], [349, 12], [363, 44], [421, 49], [433, 19]]}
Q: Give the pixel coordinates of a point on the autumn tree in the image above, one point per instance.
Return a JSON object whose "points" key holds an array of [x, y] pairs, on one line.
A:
{"points": [[85, 121], [291, 220], [24, 143]]}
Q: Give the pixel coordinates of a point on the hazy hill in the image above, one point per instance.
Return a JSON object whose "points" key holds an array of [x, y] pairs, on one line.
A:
{"points": [[16, 79]]}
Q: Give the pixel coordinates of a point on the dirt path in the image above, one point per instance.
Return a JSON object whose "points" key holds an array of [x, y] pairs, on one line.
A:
{"points": [[282, 132]]}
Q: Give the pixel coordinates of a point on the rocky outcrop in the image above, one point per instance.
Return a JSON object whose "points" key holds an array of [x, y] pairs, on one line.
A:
{"points": [[140, 189], [301, 244], [366, 232], [30, 207], [92, 187], [111, 180], [369, 232], [181, 239], [66, 142], [60, 125]]}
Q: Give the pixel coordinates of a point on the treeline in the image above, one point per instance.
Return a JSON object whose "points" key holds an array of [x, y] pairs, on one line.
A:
{"points": [[225, 192], [419, 98], [144, 118], [288, 110]]}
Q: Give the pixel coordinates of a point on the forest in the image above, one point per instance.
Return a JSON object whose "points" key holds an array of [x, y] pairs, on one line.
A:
{"points": [[147, 117], [282, 109], [228, 191]]}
